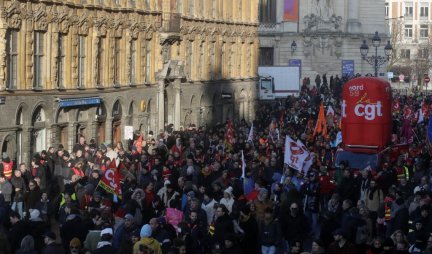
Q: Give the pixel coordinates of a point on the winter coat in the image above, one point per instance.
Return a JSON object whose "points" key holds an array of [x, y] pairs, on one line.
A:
{"points": [[312, 196], [107, 248], [209, 209], [18, 182], [92, 239], [17, 233], [249, 240], [223, 226], [376, 202], [150, 243], [270, 233], [53, 248], [73, 227], [37, 229], [31, 198], [6, 190]]}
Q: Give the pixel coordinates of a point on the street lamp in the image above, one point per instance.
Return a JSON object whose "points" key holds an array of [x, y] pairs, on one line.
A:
{"points": [[293, 47], [376, 60]]}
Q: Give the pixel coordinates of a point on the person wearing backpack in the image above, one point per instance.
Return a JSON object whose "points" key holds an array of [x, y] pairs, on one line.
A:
{"points": [[270, 233]]}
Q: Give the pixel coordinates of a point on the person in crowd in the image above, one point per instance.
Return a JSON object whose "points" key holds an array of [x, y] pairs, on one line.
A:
{"points": [[147, 243], [51, 247], [6, 189], [104, 246], [27, 246]]}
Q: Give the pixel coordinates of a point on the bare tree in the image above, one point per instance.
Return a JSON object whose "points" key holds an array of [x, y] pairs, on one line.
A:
{"points": [[422, 63], [397, 42]]}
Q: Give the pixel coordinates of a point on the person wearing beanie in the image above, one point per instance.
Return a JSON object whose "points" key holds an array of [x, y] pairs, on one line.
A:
{"points": [[147, 242], [228, 199], [123, 233], [105, 245]]}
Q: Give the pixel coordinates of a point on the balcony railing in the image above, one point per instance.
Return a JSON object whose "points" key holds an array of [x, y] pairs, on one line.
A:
{"points": [[171, 22]]}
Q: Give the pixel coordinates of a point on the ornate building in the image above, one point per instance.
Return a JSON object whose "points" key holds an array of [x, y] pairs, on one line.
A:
{"points": [[97, 67], [327, 34]]}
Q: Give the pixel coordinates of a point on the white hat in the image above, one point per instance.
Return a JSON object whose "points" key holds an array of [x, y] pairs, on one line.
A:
{"points": [[108, 231], [34, 215], [229, 190]]}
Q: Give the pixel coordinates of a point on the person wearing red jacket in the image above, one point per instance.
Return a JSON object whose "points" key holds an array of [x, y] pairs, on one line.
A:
{"points": [[327, 187]]}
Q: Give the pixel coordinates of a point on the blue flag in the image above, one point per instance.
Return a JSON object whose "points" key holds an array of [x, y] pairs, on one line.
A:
{"points": [[429, 129]]}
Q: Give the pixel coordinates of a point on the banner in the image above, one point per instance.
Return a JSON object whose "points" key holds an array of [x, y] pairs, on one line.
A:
{"points": [[291, 10], [321, 124], [110, 182], [138, 144], [229, 137], [243, 165], [250, 136], [295, 154]]}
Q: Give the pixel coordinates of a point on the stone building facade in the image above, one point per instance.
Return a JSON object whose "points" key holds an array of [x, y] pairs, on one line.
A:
{"points": [[92, 67], [328, 35]]}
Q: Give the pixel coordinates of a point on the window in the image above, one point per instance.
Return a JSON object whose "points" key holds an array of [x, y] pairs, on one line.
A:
{"points": [[60, 61], [147, 4], [81, 61], [148, 61], [424, 11], [266, 57], [132, 63], [12, 59], [100, 61], [423, 53], [386, 11], [117, 61], [424, 31], [267, 11], [38, 59], [408, 31], [408, 11], [405, 53]]}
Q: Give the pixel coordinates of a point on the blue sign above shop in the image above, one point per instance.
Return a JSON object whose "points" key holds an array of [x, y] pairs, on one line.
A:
{"points": [[74, 102]]}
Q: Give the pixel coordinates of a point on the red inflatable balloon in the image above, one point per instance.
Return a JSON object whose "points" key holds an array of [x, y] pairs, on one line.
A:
{"points": [[366, 115]]}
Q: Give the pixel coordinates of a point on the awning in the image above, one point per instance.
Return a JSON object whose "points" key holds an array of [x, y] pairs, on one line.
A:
{"points": [[73, 102]]}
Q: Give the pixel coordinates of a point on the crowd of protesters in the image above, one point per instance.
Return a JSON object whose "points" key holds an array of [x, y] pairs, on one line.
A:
{"points": [[182, 191]]}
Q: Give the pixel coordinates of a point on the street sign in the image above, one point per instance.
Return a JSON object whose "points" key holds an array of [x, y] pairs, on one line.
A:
{"points": [[390, 75], [426, 79], [401, 78]]}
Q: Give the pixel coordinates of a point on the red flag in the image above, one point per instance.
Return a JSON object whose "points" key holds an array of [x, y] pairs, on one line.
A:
{"points": [[110, 181], [321, 125], [229, 138], [138, 144]]}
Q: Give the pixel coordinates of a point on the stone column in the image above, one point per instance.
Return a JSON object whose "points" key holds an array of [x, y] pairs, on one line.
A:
{"points": [[177, 104], [161, 104], [26, 143], [93, 130], [108, 130], [71, 137], [277, 51], [353, 23]]}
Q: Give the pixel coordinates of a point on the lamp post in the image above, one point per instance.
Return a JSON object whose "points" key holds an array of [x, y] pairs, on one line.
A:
{"points": [[376, 60]]}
